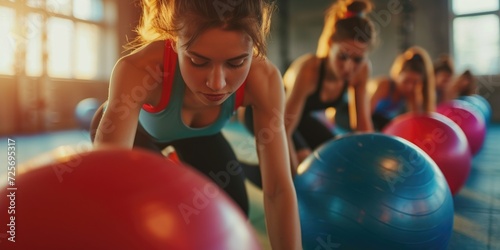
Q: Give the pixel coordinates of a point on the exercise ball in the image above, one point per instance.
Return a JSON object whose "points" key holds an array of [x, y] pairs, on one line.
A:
{"points": [[441, 139], [469, 119], [372, 191], [481, 103], [85, 111], [121, 199]]}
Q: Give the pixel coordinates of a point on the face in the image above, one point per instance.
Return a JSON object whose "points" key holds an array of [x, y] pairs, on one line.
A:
{"points": [[347, 57], [442, 79], [463, 82], [215, 65], [408, 81]]}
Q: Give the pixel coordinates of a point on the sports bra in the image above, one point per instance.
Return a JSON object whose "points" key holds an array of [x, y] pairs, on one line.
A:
{"points": [[389, 108]]}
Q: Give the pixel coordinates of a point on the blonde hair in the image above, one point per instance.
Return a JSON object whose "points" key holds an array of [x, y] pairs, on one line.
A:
{"points": [[166, 19], [417, 59], [346, 19]]}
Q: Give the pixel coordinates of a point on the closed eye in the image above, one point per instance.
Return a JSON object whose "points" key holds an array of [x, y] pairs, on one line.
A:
{"points": [[198, 62], [358, 59], [343, 56], [236, 64]]}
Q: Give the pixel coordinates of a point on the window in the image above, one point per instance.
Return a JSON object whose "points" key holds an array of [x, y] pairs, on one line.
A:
{"points": [[476, 36], [7, 45], [78, 38]]}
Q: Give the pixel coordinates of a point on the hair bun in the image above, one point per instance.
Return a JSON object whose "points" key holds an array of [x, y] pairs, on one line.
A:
{"points": [[359, 7]]}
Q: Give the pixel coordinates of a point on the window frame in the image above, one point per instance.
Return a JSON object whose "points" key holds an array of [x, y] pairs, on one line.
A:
{"points": [[453, 16], [106, 27]]}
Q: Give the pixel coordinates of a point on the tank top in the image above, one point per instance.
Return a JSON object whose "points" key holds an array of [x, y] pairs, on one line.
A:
{"points": [[164, 122], [314, 103]]}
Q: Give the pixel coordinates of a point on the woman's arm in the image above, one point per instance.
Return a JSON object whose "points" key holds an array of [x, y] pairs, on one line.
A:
{"points": [[265, 93], [359, 109], [119, 121], [138, 71], [300, 81]]}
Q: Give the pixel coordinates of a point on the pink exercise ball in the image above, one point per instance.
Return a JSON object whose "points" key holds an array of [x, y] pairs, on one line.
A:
{"points": [[469, 119]]}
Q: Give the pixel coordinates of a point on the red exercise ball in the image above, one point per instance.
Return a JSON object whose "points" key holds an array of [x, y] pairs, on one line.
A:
{"points": [[469, 118], [121, 199], [441, 139]]}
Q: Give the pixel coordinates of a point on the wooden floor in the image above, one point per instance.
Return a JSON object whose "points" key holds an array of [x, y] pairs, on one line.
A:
{"points": [[477, 205]]}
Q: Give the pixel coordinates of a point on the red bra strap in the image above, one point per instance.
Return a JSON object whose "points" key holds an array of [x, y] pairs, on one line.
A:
{"points": [[240, 93], [169, 65]]}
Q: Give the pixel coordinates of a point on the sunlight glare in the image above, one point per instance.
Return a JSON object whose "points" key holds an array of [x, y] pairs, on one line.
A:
{"points": [[87, 51], [473, 6], [60, 38], [7, 41], [34, 46]]}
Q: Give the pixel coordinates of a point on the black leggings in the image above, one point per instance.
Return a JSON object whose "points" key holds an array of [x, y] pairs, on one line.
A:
{"points": [[211, 155], [380, 121], [310, 132], [313, 131]]}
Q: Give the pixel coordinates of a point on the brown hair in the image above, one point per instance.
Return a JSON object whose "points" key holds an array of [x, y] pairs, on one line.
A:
{"points": [[166, 19], [444, 63], [345, 20], [417, 59], [468, 89]]}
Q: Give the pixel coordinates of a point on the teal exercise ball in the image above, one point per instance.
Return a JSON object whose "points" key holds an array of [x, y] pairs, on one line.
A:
{"points": [[481, 103], [373, 191], [85, 110]]}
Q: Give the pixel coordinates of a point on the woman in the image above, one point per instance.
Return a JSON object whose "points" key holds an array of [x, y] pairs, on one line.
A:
{"points": [[337, 72], [463, 85], [443, 73], [410, 88], [196, 61]]}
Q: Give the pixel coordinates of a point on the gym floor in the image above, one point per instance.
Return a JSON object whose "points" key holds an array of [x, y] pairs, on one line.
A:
{"points": [[477, 205]]}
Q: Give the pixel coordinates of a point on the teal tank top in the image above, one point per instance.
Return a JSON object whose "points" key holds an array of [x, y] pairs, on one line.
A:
{"points": [[165, 124]]}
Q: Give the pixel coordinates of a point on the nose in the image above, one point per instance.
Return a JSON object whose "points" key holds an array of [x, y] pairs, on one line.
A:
{"points": [[216, 80], [349, 65]]}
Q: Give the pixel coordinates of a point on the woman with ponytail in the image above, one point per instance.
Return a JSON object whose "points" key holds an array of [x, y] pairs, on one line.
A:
{"points": [[193, 63], [410, 88], [335, 76]]}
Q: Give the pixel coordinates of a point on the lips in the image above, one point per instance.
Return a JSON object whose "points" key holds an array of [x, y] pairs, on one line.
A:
{"points": [[214, 97]]}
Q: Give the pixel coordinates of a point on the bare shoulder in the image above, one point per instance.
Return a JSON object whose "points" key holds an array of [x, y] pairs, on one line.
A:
{"points": [[143, 66], [262, 72], [306, 61], [304, 65], [381, 83], [147, 55], [147, 60], [303, 72], [263, 82]]}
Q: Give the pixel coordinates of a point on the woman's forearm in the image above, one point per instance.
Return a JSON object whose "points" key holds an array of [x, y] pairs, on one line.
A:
{"points": [[282, 220]]}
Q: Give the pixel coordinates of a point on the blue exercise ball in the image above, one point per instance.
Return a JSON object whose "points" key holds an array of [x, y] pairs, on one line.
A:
{"points": [[373, 191], [85, 111], [480, 103]]}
